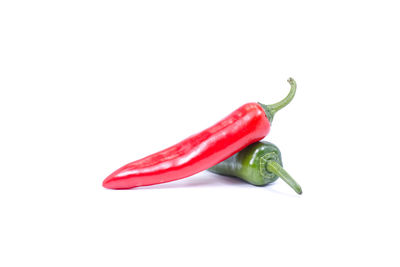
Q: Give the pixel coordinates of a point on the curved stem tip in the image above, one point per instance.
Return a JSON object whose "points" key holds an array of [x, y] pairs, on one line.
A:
{"points": [[270, 110], [275, 168]]}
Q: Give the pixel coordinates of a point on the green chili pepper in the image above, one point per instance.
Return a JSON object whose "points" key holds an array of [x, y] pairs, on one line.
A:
{"points": [[259, 164]]}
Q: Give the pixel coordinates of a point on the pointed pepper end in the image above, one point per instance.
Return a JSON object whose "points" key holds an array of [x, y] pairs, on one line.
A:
{"points": [[106, 183]]}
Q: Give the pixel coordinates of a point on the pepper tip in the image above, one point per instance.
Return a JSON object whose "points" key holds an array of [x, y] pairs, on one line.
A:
{"points": [[105, 184], [290, 80], [300, 192]]}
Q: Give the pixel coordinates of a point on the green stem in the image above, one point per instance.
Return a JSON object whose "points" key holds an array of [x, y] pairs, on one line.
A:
{"points": [[270, 110], [275, 168]]}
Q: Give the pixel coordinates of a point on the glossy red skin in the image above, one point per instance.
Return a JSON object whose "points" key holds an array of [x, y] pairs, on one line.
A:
{"points": [[196, 153]]}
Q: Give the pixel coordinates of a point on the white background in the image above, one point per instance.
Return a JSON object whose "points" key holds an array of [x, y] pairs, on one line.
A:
{"points": [[87, 86]]}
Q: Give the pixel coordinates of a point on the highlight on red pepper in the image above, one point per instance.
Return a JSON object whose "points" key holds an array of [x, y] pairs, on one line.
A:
{"points": [[244, 126]]}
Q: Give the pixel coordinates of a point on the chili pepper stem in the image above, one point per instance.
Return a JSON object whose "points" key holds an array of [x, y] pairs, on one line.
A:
{"points": [[270, 110], [275, 168]]}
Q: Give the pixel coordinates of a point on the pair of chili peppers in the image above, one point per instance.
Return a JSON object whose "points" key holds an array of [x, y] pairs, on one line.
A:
{"points": [[229, 147]]}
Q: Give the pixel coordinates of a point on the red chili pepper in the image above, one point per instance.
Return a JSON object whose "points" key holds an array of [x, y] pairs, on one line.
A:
{"points": [[244, 126]]}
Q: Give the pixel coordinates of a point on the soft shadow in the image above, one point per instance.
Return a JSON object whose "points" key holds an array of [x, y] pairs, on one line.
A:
{"points": [[206, 179], [203, 179], [293, 195]]}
